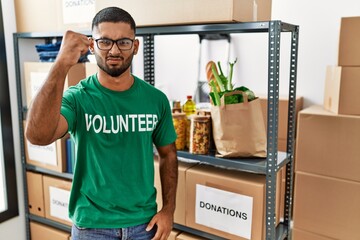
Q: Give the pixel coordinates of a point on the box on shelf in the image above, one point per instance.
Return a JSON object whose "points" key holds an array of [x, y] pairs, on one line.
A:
{"points": [[36, 73], [227, 203], [56, 195], [349, 48], [62, 15], [188, 236], [298, 234], [179, 215], [341, 90], [283, 117], [192, 12], [328, 144], [35, 193], [59, 15], [40, 232], [52, 156], [327, 206], [173, 234]]}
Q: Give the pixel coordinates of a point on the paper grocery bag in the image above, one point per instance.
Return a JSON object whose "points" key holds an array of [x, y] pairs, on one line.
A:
{"points": [[239, 129]]}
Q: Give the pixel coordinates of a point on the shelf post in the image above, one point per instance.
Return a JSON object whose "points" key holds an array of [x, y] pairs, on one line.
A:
{"points": [[272, 127], [21, 131], [149, 59], [291, 129]]}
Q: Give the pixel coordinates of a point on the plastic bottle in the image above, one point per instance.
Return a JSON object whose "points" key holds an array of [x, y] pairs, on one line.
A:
{"points": [[189, 108]]}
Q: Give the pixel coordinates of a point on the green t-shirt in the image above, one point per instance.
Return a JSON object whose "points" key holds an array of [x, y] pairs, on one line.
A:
{"points": [[114, 133]]}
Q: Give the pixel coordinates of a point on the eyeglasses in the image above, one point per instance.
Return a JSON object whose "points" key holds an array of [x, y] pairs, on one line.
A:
{"points": [[107, 44]]}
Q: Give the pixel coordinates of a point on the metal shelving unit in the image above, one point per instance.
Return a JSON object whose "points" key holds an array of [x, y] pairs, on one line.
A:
{"points": [[268, 166]]}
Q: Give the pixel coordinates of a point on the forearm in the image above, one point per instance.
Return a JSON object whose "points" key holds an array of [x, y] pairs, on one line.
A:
{"points": [[169, 176], [44, 111]]}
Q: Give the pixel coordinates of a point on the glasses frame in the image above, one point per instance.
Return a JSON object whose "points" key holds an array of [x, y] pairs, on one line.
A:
{"points": [[114, 42]]}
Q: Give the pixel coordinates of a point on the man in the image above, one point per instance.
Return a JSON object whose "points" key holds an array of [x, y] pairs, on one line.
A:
{"points": [[114, 119]]}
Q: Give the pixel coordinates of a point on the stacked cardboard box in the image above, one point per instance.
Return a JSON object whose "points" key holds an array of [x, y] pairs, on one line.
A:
{"points": [[327, 180], [343, 81]]}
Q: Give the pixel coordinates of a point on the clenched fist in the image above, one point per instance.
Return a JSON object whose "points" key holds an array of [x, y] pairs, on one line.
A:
{"points": [[72, 47]]}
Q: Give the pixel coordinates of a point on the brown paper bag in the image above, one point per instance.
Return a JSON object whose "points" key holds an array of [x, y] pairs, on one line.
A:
{"points": [[239, 129]]}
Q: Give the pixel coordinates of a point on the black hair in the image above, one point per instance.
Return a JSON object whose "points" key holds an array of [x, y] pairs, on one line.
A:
{"points": [[113, 14]]}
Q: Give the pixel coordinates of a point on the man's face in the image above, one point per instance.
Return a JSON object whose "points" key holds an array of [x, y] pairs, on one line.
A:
{"points": [[114, 61]]}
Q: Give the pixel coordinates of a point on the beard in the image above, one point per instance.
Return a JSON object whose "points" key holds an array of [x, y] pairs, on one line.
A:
{"points": [[114, 71]]}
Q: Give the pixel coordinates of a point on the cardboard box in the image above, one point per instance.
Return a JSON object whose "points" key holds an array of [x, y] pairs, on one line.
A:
{"points": [[328, 144], [35, 193], [36, 73], [179, 215], [41, 232], [52, 156], [327, 206], [341, 90], [349, 48], [188, 236], [169, 12], [62, 15], [226, 203], [298, 234], [283, 117], [31, 17], [59, 15], [173, 234], [56, 195]]}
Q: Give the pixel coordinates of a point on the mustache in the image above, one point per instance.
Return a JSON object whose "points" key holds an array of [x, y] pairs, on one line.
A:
{"points": [[110, 56]]}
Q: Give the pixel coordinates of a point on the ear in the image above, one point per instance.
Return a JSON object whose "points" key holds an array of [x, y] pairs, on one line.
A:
{"points": [[91, 46], [136, 46]]}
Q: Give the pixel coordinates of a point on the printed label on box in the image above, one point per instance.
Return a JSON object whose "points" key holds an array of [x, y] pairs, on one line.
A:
{"points": [[226, 211], [44, 154], [78, 11], [59, 202]]}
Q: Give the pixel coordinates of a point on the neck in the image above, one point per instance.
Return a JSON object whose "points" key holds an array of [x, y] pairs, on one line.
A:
{"points": [[120, 83]]}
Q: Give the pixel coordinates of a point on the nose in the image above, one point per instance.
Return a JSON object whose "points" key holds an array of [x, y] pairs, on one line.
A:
{"points": [[115, 48]]}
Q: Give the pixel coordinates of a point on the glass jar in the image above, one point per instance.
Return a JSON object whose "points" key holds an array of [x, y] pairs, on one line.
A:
{"points": [[180, 121], [200, 134]]}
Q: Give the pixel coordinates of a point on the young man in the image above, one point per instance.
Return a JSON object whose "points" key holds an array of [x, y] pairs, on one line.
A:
{"points": [[114, 119]]}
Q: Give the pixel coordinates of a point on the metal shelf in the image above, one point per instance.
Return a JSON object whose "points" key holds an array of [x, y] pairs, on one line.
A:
{"points": [[49, 222], [268, 166], [255, 165], [245, 27], [281, 232], [33, 168]]}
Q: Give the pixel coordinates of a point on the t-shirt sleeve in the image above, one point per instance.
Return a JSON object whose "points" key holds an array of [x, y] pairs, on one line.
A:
{"points": [[164, 132], [68, 109]]}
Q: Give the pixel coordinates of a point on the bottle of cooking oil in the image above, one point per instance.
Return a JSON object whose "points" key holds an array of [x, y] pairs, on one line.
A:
{"points": [[189, 108]]}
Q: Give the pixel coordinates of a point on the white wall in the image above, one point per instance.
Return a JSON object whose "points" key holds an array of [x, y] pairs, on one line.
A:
{"points": [[13, 229]]}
